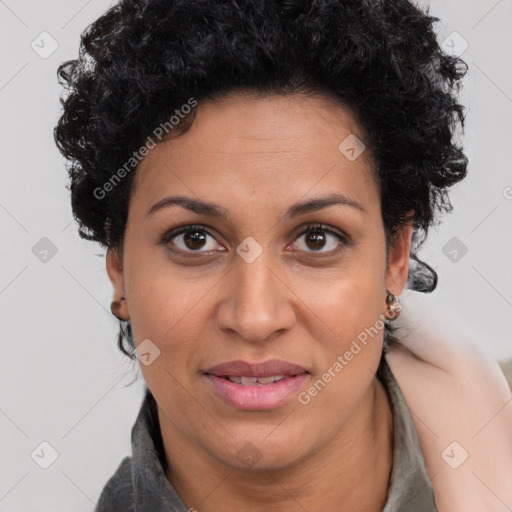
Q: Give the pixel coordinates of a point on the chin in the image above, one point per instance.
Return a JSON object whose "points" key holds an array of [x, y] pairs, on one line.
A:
{"points": [[263, 461], [263, 451]]}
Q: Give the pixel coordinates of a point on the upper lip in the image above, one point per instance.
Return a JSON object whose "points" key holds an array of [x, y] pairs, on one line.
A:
{"points": [[268, 368]]}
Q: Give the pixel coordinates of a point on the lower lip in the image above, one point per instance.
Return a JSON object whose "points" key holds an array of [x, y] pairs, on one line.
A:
{"points": [[257, 397]]}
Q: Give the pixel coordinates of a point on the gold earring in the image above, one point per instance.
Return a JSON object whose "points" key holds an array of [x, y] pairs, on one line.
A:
{"points": [[394, 306]]}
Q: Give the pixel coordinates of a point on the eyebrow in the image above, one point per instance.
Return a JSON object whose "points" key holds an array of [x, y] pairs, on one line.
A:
{"points": [[214, 210]]}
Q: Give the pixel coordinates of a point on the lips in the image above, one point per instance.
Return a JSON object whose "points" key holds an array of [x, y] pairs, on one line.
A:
{"points": [[256, 386], [270, 368]]}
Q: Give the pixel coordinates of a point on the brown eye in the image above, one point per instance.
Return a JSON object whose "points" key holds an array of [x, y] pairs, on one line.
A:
{"points": [[190, 239], [319, 237], [315, 240], [194, 239]]}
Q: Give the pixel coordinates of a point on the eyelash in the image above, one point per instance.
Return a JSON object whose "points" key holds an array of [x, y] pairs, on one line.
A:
{"points": [[197, 227]]}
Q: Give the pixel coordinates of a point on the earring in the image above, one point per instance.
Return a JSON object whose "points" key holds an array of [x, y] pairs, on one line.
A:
{"points": [[114, 307], [394, 306]]}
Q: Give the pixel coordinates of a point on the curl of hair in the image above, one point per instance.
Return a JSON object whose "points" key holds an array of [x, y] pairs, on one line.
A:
{"points": [[143, 59]]}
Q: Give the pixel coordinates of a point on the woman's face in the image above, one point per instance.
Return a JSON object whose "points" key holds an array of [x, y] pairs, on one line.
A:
{"points": [[251, 284]]}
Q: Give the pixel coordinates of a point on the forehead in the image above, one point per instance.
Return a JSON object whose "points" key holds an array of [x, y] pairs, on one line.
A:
{"points": [[271, 146]]}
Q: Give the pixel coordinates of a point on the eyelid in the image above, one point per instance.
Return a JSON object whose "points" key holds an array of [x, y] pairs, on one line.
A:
{"points": [[324, 227]]}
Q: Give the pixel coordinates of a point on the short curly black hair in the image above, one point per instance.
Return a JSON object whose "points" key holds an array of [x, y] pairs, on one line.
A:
{"points": [[143, 60]]}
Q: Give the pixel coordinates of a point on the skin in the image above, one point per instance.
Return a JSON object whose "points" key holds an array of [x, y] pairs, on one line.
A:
{"points": [[255, 156]]}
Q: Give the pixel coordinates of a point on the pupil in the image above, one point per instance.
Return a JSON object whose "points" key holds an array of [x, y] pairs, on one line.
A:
{"points": [[195, 239], [318, 239]]}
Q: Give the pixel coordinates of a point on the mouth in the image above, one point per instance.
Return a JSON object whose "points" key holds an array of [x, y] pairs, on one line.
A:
{"points": [[256, 386], [258, 381]]}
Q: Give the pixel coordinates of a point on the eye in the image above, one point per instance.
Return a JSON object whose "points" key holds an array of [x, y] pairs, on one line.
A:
{"points": [[194, 239], [190, 239], [316, 238]]}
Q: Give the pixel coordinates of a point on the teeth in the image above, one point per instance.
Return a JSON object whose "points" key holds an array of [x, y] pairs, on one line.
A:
{"points": [[266, 380], [248, 381]]}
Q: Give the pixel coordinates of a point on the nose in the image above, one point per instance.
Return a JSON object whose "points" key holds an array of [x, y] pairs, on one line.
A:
{"points": [[257, 304]]}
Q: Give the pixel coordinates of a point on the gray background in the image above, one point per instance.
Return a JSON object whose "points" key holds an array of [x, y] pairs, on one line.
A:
{"points": [[62, 379]]}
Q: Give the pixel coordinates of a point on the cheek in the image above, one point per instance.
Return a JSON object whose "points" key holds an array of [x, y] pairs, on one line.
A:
{"points": [[355, 345], [171, 313], [162, 302], [348, 357], [352, 303], [351, 309]]}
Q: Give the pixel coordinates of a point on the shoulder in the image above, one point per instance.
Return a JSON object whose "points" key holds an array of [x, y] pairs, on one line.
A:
{"points": [[117, 495], [461, 404], [432, 346]]}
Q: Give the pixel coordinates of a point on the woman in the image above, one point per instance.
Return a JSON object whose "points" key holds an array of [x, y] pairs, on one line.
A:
{"points": [[261, 173]]}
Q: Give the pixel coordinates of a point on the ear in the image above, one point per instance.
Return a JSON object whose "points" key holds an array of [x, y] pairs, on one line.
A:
{"points": [[397, 272], [116, 275]]}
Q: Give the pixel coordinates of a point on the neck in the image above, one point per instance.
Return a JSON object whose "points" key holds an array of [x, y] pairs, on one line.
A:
{"points": [[351, 472]]}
